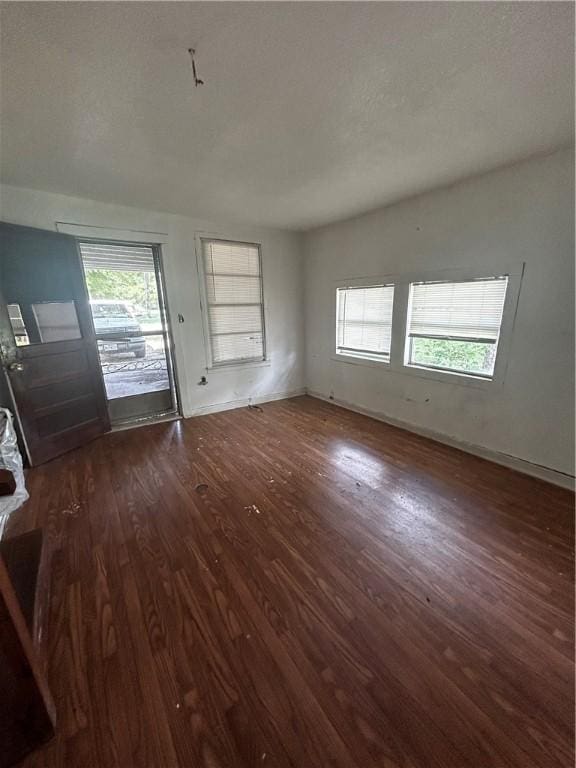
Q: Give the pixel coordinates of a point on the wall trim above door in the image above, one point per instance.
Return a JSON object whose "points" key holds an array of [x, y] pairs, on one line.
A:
{"points": [[111, 233]]}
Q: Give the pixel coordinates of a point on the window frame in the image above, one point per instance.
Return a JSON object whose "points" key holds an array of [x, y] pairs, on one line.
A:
{"points": [[399, 341], [371, 357], [437, 368], [239, 363]]}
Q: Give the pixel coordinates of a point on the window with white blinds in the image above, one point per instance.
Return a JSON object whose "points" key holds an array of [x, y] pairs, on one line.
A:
{"points": [[364, 321], [455, 326], [234, 298]]}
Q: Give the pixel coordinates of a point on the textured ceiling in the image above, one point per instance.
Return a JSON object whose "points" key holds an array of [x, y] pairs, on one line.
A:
{"points": [[310, 112]]}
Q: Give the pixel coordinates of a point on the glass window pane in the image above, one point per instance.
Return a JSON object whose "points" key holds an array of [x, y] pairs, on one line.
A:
{"points": [[115, 317], [133, 365], [234, 296], [467, 310], [235, 319], [237, 346], [364, 320], [221, 257], [466, 356], [57, 321], [233, 289]]}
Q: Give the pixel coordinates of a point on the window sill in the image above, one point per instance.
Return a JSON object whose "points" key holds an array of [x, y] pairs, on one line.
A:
{"points": [[372, 362], [240, 365], [450, 377], [459, 379]]}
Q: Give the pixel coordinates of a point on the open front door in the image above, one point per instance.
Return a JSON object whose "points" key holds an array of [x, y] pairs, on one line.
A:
{"points": [[47, 342]]}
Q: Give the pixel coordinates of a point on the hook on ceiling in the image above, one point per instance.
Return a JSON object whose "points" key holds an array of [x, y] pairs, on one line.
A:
{"points": [[197, 80]]}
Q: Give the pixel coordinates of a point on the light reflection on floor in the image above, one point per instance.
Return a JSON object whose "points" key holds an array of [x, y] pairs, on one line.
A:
{"points": [[358, 461], [407, 518]]}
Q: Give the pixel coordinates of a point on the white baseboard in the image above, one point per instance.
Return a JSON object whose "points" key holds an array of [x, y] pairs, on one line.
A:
{"points": [[243, 402], [512, 462]]}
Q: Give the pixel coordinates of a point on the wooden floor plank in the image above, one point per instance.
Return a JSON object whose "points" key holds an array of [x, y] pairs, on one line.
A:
{"points": [[301, 586]]}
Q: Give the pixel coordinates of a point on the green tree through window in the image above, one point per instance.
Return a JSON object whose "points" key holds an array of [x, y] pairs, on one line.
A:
{"points": [[138, 288]]}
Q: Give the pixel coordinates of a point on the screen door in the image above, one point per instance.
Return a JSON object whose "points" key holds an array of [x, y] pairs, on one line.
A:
{"points": [[126, 289]]}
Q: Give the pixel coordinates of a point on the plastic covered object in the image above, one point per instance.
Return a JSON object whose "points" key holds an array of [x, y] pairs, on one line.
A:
{"points": [[10, 459]]}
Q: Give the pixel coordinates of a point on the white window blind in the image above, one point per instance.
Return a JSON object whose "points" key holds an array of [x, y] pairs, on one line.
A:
{"points": [[233, 277], [119, 258], [364, 321], [464, 311]]}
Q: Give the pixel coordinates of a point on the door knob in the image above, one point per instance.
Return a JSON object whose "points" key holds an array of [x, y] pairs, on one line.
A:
{"points": [[15, 367]]}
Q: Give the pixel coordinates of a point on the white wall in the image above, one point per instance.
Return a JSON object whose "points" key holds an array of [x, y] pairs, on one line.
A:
{"points": [[282, 271], [523, 213]]}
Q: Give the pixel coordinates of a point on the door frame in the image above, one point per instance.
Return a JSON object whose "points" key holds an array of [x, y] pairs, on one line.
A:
{"points": [[156, 248]]}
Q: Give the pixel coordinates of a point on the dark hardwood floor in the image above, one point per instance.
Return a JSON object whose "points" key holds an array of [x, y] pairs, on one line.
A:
{"points": [[301, 586]]}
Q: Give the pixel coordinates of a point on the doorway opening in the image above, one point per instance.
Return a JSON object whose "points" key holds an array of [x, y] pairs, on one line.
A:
{"points": [[127, 298]]}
